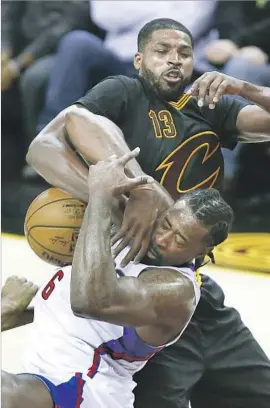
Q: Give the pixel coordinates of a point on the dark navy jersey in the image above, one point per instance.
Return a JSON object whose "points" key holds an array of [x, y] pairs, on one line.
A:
{"points": [[180, 142]]}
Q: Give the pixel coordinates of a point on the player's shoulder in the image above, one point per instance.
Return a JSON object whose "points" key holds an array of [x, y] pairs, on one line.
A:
{"points": [[169, 273], [130, 83], [188, 105], [190, 102]]}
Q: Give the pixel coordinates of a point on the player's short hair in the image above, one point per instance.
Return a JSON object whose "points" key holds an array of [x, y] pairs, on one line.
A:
{"points": [[159, 24], [212, 212]]}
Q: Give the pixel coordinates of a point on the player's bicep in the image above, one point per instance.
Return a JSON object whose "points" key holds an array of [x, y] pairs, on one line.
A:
{"points": [[253, 123], [109, 98], [160, 297]]}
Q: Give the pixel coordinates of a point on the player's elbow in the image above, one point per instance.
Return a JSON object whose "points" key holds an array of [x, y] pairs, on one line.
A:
{"points": [[33, 153], [82, 306], [51, 139], [77, 121], [90, 307], [80, 309]]}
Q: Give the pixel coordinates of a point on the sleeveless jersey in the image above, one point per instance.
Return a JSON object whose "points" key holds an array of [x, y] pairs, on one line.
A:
{"points": [[65, 343], [180, 142]]}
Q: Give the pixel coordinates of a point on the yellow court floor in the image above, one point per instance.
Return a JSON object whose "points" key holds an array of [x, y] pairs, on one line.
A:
{"points": [[247, 291]]}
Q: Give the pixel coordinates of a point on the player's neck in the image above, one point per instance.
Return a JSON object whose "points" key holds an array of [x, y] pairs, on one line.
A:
{"points": [[151, 90]]}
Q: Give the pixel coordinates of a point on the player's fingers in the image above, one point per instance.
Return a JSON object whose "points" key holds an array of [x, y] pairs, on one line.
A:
{"points": [[132, 183], [203, 90], [119, 248], [113, 157], [194, 90], [32, 286], [125, 242], [135, 182], [13, 278], [145, 242], [220, 91], [212, 91], [143, 250], [119, 234], [129, 156], [132, 253]]}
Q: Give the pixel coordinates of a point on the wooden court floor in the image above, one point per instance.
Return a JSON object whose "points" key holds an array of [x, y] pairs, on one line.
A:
{"points": [[248, 292]]}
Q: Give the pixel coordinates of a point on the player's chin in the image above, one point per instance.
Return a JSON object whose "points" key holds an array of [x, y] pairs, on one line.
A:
{"points": [[171, 87], [171, 92]]}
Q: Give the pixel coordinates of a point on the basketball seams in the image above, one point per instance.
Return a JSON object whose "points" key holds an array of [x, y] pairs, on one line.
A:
{"points": [[54, 243], [51, 202], [52, 226], [47, 249]]}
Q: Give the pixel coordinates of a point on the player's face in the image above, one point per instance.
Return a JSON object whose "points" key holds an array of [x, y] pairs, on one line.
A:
{"points": [[167, 62], [178, 237]]}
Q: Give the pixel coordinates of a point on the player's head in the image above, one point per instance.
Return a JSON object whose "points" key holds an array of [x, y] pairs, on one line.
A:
{"points": [[165, 56], [191, 228]]}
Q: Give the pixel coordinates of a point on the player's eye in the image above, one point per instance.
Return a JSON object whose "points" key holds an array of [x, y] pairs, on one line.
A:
{"points": [[161, 51], [185, 55], [165, 226], [178, 240]]}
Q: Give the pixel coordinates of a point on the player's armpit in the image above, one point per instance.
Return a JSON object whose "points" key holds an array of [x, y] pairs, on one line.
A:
{"points": [[253, 124], [159, 297]]}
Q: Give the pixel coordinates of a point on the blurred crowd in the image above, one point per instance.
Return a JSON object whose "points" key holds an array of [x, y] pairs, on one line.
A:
{"points": [[54, 51]]}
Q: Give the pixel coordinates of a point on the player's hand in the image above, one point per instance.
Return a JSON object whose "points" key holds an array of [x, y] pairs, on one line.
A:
{"points": [[110, 175], [213, 85], [139, 219], [17, 293], [144, 205]]}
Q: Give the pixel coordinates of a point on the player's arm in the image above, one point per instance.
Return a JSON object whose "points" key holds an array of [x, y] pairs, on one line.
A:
{"points": [[56, 161], [88, 128], [16, 319], [252, 121], [96, 292], [16, 296], [92, 130]]}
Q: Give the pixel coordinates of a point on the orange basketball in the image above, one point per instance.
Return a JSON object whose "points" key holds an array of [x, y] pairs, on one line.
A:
{"points": [[52, 225]]}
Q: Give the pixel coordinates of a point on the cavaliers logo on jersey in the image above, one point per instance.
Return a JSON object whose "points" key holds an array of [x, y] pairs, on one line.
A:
{"points": [[196, 163]]}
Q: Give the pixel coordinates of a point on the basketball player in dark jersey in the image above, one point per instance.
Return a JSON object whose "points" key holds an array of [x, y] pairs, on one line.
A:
{"points": [[217, 362]]}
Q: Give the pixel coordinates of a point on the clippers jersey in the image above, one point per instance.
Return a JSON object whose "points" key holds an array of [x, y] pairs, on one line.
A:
{"points": [[180, 142], [104, 355]]}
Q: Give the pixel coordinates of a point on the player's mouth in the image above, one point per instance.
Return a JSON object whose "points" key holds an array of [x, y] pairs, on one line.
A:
{"points": [[173, 76], [154, 253]]}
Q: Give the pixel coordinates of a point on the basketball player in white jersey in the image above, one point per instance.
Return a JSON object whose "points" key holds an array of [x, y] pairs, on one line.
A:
{"points": [[97, 323]]}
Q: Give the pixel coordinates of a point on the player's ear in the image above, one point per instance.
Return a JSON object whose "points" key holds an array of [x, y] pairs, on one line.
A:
{"points": [[137, 60]]}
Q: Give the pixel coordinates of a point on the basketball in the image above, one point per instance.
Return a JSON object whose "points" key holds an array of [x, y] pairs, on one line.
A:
{"points": [[52, 225]]}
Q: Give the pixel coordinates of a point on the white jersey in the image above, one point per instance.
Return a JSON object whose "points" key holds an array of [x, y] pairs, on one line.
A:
{"points": [[64, 344]]}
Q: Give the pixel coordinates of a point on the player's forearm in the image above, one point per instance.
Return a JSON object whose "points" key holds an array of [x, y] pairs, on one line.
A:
{"points": [[11, 320], [257, 94], [97, 138], [255, 129], [51, 156], [93, 278]]}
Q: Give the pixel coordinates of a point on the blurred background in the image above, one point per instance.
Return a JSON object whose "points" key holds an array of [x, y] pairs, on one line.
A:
{"points": [[54, 51]]}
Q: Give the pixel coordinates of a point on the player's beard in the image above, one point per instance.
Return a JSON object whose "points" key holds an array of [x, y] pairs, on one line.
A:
{"points": [[165, 91]]}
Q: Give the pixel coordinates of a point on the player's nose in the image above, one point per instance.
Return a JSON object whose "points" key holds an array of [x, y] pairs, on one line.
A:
{"points": [[163, 240], [174, 58]]}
